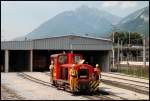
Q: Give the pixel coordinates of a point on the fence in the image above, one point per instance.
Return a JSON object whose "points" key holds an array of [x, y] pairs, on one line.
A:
{"points": [[133, 70], [131, 65]]}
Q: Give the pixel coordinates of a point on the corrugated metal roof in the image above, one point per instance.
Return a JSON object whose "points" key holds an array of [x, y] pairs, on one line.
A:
{"points": [[78, 35], [65, 42]]}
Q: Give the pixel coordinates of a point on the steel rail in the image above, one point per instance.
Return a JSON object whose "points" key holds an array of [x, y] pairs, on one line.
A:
{"points": [[128, 86], [93, 97], [125, 79]]}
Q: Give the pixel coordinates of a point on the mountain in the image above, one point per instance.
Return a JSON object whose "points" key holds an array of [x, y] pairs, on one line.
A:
{"points": [[136, 22], [83, 20]]}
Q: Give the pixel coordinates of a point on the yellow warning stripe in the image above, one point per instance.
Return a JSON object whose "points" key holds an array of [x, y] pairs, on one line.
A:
{"points": [[97, 82], [94, 85], [95, 89], [91, 88], [90, 82]]}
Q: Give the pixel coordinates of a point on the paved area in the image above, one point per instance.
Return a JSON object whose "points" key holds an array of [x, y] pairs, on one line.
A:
{"points": [[8, 94], [39, 75], [33, 91], [119, 91]]}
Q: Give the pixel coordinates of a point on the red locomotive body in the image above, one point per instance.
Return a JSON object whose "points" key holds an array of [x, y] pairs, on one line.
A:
{"points": [[85, 73]]}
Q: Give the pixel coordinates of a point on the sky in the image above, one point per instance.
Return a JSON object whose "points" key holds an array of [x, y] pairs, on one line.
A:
{"points": [[19, 18]]}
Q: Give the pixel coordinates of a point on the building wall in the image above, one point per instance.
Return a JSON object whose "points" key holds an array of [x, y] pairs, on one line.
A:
{"points": [[16, 45], [59, 43], [23, 59]]}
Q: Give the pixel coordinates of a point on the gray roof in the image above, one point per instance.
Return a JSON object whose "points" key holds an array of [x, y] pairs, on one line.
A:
{"points": [[77, 35], [23, 38], [64, 42]]}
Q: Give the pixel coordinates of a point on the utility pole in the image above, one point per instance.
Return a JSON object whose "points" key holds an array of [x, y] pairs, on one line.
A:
{"points": [[121, 51], [114, 29], [129, 38], [144, 51], [118, 52], [113, 51], [113, 48], [128, 50]]}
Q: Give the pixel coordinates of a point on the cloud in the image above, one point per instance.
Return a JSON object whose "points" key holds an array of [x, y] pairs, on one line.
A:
{"points": [[128, 4], [119, 4], [107, 4]]}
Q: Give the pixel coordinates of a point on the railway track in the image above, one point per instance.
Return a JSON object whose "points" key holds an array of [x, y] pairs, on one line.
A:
{"points": [[126, 79], [129, 86], [100, 95], [105, 96], [26, 76], [133, 85]]}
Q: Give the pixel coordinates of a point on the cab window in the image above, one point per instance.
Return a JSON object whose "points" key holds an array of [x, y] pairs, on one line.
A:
{"points": [[62, 59], [76, 59]]}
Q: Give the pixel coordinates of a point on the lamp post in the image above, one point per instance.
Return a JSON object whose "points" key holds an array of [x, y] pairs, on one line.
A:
{"points": [[144, 51], [113, 51], [114, 29]]}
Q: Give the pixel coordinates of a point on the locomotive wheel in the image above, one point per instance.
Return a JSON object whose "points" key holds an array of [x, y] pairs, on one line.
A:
{"points": [[74, 92], [64, 88]]}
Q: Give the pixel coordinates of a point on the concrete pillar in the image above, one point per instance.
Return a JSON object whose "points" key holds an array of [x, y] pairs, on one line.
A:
{"points": [[109, 69], [6, 61], [31, 60], [107, 62]]}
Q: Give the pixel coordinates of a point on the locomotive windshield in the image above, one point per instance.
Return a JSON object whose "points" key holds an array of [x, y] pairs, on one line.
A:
{"points": [[83, 73], [76, 59], [62, 59]]}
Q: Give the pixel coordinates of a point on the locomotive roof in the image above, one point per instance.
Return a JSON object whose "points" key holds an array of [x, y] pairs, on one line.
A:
{"points": [[55, 55]]}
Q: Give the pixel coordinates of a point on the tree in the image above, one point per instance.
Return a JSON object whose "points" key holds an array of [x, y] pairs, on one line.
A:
{"points": [[135, 38]]}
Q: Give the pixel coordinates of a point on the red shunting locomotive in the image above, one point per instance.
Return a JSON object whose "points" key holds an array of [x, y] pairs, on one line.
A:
{"points": [[68, 71]]}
